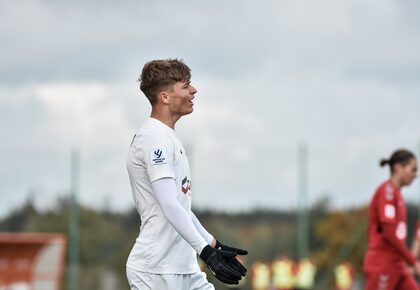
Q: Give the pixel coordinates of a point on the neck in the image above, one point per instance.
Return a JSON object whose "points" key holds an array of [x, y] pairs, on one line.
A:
{"points": [[395, 181], [166, 118]]}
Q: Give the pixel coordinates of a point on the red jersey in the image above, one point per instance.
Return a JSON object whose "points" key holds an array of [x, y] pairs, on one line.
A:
{"points": [[387, 232]]}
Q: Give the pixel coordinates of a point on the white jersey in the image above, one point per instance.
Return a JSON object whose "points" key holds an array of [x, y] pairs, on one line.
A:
{"points": [[157, 153]]}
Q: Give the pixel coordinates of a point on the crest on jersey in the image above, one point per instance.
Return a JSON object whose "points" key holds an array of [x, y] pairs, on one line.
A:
{"points": [[383, 281], [389, 192], [158, 156], [401, 231], [389, 211], [186, 185]]}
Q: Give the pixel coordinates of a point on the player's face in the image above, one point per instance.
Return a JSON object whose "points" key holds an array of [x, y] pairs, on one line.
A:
{"points": [[409, 172], [181, 98]]}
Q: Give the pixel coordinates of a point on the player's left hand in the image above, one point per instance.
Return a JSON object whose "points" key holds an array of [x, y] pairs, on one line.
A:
{"points": [[219, 245], [217, 261], [233, 262]]}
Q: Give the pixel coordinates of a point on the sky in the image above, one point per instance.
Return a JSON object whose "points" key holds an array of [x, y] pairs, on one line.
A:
{"points": [[338, 76]]}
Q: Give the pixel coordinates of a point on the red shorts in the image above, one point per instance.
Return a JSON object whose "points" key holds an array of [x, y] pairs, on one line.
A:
{"points": [[390, 281]]}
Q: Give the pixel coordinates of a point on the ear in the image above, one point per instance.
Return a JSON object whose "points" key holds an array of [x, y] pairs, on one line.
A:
{"points": [[397, 167], [163, 97]]}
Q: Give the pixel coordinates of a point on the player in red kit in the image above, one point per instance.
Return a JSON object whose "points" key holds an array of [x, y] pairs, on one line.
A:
{"points": [[386, 260]]}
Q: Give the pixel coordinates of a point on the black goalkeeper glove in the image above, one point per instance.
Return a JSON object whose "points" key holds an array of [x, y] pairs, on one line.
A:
{"points": [[217, 261], [233, 262]]}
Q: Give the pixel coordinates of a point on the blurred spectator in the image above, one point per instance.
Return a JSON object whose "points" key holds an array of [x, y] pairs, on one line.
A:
{"points": [[260, 276], [305, 274], [344, 276], [283, 276]]}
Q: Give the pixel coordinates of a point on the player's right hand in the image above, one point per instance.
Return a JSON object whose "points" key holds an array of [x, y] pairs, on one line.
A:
{"points": [[216, 261]]}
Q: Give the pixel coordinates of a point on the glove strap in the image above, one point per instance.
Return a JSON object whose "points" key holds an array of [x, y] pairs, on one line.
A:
{"points": [[206, 253]]}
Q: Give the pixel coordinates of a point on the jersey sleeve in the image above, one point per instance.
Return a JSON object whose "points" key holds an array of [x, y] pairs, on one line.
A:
{"points": [[387, 209], [166, 194], [158, 151], [394, 230], [390, 233]]}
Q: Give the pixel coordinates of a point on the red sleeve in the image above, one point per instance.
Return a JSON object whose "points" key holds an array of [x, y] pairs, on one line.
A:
{"points": [[389, 233], [387, 210]]}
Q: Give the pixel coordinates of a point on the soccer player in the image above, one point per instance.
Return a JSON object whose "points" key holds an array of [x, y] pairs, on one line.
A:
{"points": [[164, 255], [387, 255]]}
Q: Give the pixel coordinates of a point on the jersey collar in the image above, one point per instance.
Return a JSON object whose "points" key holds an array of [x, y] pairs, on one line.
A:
{"points": [[162, 125]]}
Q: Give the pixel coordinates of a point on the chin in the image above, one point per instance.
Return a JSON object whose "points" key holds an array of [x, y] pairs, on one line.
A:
{"points": [[186, 113], [407, 183]]}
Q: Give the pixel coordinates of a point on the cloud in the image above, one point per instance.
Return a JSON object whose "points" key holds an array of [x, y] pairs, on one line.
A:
{"points": [[341, 77]]}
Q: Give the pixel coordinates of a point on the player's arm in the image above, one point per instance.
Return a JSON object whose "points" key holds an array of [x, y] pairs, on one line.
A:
{"points": [[388, 226], [203, 232], [165, 192], [211, 240], [415, 247], [389, 233], [234, 263]]}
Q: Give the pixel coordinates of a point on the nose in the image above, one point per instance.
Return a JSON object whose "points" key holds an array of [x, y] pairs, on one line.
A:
{"points": [[193, 90]]}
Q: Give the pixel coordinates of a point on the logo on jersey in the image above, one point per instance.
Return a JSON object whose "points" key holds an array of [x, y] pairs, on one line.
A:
{"points": [[158, 153], [158, 156], [186, 185], [389, 192], [383, 281], [401, 231], [389, 211]]}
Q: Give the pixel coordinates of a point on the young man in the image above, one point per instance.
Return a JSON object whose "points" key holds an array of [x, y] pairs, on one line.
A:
{"points": [[387, 255], [165, 253]]}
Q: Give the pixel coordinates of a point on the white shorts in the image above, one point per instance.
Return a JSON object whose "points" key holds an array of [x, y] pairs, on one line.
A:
{"points": [[148, 281]]}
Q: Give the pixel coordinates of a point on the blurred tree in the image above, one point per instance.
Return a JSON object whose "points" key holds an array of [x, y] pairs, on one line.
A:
{"points": [[342, 233], [107, 237]]}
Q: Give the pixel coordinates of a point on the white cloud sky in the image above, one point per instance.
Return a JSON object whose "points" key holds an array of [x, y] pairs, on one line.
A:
{"points": [[342, 77]]}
